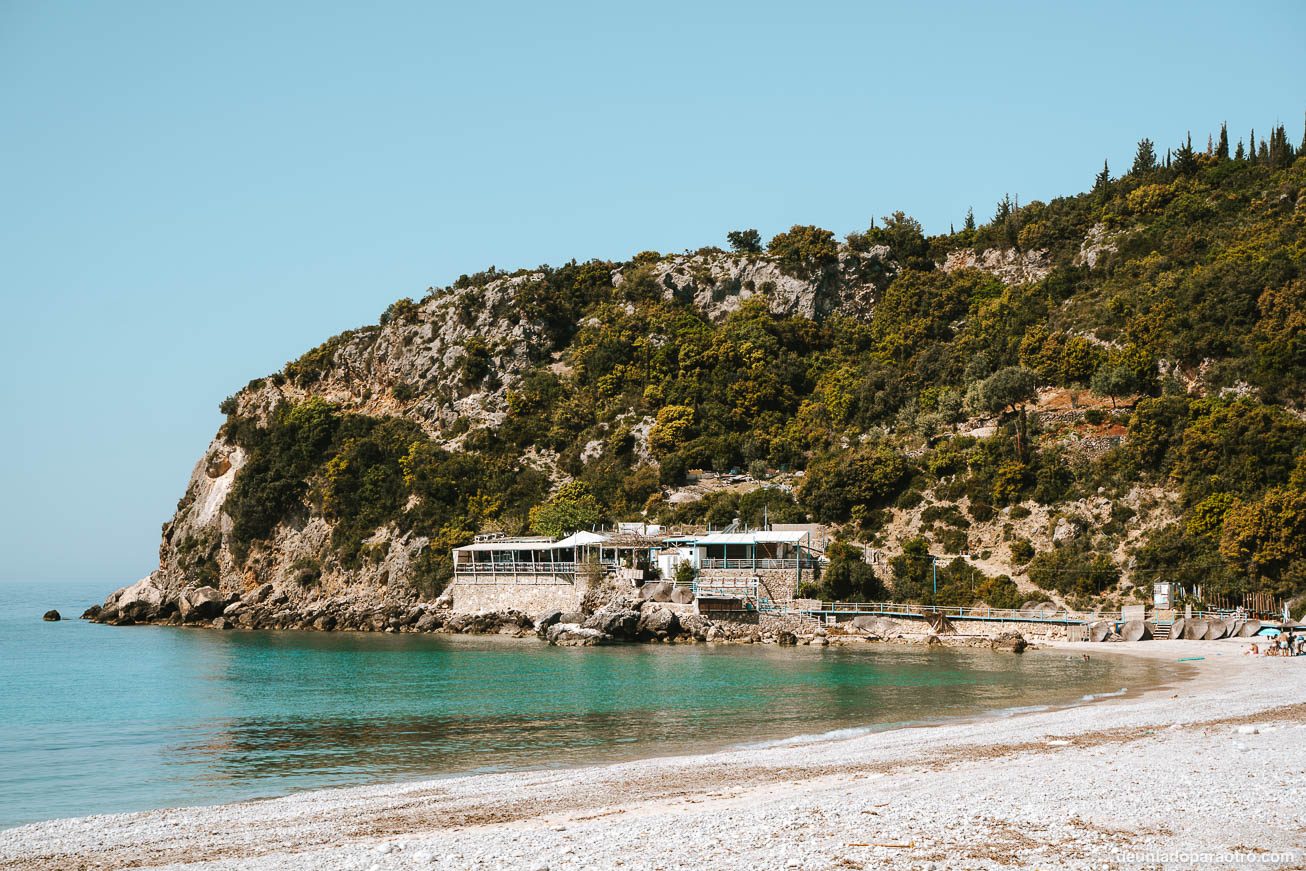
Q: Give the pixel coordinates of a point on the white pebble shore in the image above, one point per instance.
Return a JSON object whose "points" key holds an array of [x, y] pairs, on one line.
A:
{"points": [[1210, 767]]}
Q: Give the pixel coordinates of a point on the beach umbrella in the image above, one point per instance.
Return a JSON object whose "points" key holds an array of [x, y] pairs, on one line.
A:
{"points": [[1215, 629], [1099, 631], [1195, 630], [1249, 628]]}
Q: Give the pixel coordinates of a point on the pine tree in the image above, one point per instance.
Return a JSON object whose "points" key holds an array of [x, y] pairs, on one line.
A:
{"points": [[1185, 158], [1263, 154], [1239, 154], [1103, 180], [970, 220], [1004, 209], [1210, 145], [1222, 150], [1144, 158]]}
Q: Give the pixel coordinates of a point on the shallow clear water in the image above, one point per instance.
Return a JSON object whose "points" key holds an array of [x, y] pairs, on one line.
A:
{"points": [[99, 719]]}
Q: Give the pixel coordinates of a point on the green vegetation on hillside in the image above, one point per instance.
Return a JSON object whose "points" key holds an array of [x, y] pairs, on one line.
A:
{"points": [[1190, 320]]}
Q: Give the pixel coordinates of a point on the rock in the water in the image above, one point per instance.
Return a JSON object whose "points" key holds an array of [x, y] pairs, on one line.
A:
{"points": [[203, 603], [51, 616], [572, 635], [786, 638], [92, 612], [1013, 641]]}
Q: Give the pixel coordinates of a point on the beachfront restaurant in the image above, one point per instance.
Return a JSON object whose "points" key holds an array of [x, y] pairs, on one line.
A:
{"points": [[492, 557]]}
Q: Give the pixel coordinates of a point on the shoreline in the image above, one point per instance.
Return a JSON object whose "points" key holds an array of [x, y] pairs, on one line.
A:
{"points": [[977, 791]]}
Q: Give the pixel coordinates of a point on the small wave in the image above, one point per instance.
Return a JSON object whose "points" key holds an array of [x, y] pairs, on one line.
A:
{"points": [[832, 735], [1093, 697], [1013, 712]]}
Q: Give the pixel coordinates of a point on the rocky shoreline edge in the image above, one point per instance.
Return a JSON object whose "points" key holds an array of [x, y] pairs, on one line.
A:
{"points": [[618, 619]]}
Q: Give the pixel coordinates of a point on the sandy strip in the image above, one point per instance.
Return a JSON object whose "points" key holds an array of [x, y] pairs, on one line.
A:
{"points": [[1214, 763]]}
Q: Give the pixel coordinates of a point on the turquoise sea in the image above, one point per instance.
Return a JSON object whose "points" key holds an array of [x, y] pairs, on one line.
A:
{"points": [[98, 719]]}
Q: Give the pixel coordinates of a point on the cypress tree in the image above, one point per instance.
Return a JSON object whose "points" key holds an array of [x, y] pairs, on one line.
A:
{"points": [[1251, 146], [1210, 145], [1263, 154], [970, 220], [1301, 149], [1222, 150], [1238, 153]]}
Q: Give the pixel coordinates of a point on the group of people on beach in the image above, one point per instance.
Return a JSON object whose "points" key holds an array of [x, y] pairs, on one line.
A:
{"points": [[1286, 644]]}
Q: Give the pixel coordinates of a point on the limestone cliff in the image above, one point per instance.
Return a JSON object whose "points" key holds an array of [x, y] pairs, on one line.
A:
{"points": [[448, 364]]}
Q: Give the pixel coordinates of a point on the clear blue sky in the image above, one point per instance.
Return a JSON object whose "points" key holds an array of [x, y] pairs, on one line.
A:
{"points": [[193, 194]]}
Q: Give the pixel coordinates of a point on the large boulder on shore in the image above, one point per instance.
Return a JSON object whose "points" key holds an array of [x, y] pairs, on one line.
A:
{"points": [[1013, 641], [657, 623], [547, 619], [682, 596], [202, 603], [140, 602], [656, 591], [618, 622]]}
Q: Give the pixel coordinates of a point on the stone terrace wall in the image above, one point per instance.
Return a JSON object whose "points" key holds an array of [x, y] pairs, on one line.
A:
{"points": [[506, 594]]}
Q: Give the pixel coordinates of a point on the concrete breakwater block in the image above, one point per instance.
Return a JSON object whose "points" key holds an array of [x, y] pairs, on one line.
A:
{"points": [[1196, 630], [1099, 631], [1249, 628], [1177, 628]]}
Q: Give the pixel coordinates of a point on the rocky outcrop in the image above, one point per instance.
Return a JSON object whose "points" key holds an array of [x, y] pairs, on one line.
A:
{"points": [[1009, 264], [51, 616], [719, 282]]}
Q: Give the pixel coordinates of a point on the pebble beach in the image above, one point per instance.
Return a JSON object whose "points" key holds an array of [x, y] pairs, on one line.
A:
{"points": [[1203, 771]]}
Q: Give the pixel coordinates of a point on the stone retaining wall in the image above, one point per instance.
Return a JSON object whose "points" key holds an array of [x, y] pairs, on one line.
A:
{"points": [[505, 595]]}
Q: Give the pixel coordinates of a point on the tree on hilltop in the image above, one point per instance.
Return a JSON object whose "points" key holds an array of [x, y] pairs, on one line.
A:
{"points": [[745, 241]]}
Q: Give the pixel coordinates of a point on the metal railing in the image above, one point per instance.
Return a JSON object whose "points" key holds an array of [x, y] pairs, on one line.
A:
{"points": [[558, 568], [751, 564], [903, 609]]}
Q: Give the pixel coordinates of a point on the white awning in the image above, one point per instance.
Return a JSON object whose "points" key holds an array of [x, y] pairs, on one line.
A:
{"points": [[759, 537], [581, 539]]}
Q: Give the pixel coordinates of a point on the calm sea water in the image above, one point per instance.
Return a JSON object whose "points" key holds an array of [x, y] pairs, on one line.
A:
{"points": [[99, 719]]}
